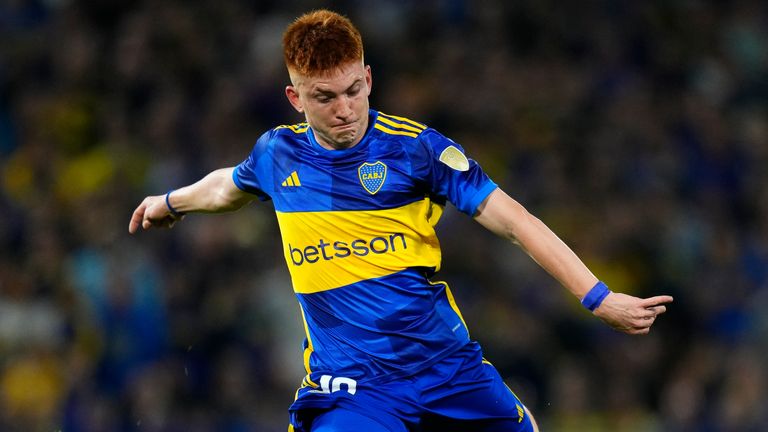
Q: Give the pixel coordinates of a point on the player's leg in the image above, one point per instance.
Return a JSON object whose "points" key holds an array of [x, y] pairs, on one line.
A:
{"points": [[533, 420], [346, 420], [465, 392]]}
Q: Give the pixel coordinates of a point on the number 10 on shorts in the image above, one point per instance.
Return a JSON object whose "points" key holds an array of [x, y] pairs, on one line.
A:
{"points": [[329, 384]]}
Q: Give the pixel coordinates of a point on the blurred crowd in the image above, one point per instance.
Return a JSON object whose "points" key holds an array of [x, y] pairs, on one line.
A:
{"points": [[638, 131]]}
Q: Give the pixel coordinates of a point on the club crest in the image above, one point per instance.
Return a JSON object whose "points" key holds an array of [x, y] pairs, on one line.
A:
{"points": [[372, 176]]}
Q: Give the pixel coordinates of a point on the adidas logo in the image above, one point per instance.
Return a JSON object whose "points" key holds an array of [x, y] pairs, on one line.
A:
{"points": [[292, 180]]}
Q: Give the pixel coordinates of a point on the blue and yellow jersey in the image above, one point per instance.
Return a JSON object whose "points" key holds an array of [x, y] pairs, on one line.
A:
{"points": [[359, 240]]}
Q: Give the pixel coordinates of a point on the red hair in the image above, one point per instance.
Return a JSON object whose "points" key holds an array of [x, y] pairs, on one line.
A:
{"points": [[319, 42]]}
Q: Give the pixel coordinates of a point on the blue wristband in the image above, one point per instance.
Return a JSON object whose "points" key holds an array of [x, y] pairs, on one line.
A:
{"points": [[174, 213], [595, 296]]}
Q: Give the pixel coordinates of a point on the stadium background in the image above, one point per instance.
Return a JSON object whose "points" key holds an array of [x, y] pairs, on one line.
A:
{"points": [[637, 130]]}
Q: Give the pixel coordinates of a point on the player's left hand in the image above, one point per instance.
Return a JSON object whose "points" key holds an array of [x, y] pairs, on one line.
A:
{"points": [[630, 314]]}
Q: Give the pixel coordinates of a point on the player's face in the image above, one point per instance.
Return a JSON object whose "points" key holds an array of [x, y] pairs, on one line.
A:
{"points": [[335, 104]]}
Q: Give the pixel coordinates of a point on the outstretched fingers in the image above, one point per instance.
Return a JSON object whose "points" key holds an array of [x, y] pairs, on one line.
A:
{"points": [[643, 314], [137, 219], [656, 301], [630, 314], [643, 318], [655, 306]]}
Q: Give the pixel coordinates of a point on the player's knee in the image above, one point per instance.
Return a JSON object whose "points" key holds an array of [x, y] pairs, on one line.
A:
{"points": [[534, 425]]}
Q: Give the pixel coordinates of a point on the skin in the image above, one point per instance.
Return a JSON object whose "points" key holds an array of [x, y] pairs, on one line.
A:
{"points": [[336, 107], [509, 219], [335, 104]]}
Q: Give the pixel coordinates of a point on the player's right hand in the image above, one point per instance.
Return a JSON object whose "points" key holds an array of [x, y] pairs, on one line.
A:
{"points": [[152, 212]]}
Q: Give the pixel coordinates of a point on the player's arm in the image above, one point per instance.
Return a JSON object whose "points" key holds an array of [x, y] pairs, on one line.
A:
{"points": [[214, 193], [507, 218]]}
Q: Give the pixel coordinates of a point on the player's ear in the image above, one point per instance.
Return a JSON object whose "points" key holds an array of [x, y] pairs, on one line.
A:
{"points": [[368, 78], [292, 93]]}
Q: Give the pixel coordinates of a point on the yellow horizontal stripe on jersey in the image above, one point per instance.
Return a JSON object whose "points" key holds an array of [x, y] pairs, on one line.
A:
{"points": [[385, 129], [327, 250], [403, 119], [399, 125]]}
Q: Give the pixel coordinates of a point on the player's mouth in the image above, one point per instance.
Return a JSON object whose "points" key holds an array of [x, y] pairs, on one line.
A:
{"points": [[343, 126]]}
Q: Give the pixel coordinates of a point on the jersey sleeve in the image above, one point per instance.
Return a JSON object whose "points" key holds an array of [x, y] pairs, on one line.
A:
{"points": [[252, 175], [449, 174]]}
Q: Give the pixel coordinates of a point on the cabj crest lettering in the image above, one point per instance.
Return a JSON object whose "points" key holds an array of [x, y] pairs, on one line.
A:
{"points": [[372, 176]]}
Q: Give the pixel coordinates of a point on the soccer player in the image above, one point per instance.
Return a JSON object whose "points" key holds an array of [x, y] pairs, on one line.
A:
{"points": [[357, 194]]}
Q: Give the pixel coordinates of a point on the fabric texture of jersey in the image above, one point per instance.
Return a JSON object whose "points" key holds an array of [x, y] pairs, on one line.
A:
{"points": [[358, 236]]}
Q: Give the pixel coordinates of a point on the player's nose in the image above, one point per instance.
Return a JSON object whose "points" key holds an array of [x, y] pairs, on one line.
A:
{"points": [[344, 108]]}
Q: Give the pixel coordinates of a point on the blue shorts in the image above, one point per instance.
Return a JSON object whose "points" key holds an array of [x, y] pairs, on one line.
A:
{"points": [[461, 392]]}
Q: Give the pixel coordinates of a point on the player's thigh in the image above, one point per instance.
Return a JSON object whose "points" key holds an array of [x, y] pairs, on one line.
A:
{"points": [[532, 420], [477, 399], [345, 420]]}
